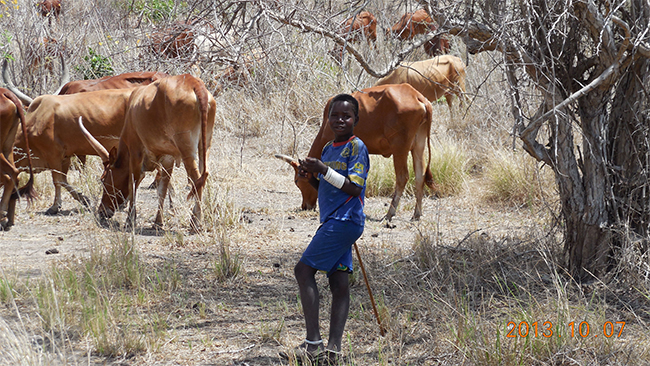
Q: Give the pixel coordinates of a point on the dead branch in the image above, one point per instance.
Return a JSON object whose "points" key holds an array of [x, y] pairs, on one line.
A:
{"points": [[289, 20]]}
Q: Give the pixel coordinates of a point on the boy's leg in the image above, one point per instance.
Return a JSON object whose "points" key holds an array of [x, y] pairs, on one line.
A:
{"points": [[340, 287], [309, 300]]}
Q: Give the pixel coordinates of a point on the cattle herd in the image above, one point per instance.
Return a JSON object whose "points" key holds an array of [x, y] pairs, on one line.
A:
{"points": [[146, 121]]}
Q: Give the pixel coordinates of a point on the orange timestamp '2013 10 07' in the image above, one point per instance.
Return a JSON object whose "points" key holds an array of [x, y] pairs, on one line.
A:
{"points": [[546, 329]]}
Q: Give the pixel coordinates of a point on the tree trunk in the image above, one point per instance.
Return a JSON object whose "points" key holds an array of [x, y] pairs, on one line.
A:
{"points": [[582, 183], [629, 155]]}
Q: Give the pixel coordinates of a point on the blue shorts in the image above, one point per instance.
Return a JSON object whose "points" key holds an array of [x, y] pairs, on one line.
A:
{"points": [[331, 247]]}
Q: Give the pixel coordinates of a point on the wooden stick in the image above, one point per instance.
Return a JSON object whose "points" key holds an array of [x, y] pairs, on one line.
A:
{"points": [[382, 331]]}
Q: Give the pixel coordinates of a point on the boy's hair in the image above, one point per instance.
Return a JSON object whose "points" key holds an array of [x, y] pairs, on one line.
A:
{"points": [[346, 98]]}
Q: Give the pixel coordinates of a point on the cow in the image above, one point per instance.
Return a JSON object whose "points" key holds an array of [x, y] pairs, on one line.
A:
{"points": [[49, 8], [434, 78], [419, 22], [166, 121], [122, 81], [54, 137], [42, 53], [174, 41], [393, 120], [11, 114], [362, 25]]}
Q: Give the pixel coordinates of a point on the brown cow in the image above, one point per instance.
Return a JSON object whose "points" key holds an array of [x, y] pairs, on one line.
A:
{"points": [[393, 120], [166, 121], [41, 54], [49, 8], [54, 136], [353, 29], [434, 78], [122, 81], [175, 41], [11, 114], [413, 24]]}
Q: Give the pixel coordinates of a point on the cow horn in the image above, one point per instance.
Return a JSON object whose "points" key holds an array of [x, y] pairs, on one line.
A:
{"points": [[286, 158], [5, 78], [101, 150], [65, 74]]}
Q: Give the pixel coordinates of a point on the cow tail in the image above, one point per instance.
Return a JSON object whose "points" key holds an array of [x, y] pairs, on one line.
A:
{"points": [[428, 175], [27, 190], [202, 97]]}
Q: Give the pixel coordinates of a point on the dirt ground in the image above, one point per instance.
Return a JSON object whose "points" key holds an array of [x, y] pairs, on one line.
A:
{"points": [[236, 317]]}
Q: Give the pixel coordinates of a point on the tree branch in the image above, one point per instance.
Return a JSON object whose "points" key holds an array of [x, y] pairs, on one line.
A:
{"points": [[346, 44]]}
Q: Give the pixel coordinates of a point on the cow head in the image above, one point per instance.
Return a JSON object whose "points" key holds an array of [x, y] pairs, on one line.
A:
{"points": [[116, 183], [309, 193], [115, 178]]}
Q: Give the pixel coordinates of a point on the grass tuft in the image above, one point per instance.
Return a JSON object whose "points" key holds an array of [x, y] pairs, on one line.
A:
{"points": [[228, 265], [513, 177]]}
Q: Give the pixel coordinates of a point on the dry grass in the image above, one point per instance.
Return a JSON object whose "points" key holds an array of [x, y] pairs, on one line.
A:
{"points": [[487, 253]]}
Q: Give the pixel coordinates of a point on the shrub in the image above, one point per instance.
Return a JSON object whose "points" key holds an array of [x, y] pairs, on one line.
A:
{"points": [[95, 66]]}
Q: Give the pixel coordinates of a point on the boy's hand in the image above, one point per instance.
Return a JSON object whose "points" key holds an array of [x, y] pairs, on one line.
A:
{"points": [[312, 165]]}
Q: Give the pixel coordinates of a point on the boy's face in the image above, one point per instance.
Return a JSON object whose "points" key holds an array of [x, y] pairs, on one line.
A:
{"points": [[342, 120]]}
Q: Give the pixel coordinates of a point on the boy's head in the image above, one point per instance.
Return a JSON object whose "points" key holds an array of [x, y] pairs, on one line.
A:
{"points": [[349, 99]]}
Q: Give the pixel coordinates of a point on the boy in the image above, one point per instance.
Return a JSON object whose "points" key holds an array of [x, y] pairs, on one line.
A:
{"points": [[340, 178]]}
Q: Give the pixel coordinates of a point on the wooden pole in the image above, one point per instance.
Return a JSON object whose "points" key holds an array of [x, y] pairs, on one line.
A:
{"points": [[382, 331]]}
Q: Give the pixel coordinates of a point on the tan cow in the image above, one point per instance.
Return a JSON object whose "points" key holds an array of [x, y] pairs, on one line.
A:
{"points": [[171, 119], [354, 29], [393, 120], [54, 136], [434, 78], [11, 114]]}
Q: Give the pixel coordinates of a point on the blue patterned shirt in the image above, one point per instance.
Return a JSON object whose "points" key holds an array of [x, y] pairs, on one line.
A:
{"points": [[350, 159]]}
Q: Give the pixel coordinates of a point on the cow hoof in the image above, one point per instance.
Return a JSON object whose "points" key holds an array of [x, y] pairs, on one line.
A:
{"points": [[157, 226], [5, 225], [52, 211], [390, 226]]}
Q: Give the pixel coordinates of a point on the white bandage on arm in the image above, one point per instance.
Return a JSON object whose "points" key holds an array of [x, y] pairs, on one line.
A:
{"points": [[334, 178]]}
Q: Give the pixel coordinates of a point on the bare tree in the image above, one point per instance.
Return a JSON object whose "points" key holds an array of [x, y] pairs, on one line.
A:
{"points": [[589, 62]]}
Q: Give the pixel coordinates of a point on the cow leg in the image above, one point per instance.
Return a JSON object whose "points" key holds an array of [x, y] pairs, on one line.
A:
{"points": [[163, 176], [449, 98], [192, 169], [136, 166], [11, 214], [8, 179], [417, 153], [73, 192], [401, 178], [60, 179], [6, 214], [57, 179]]}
